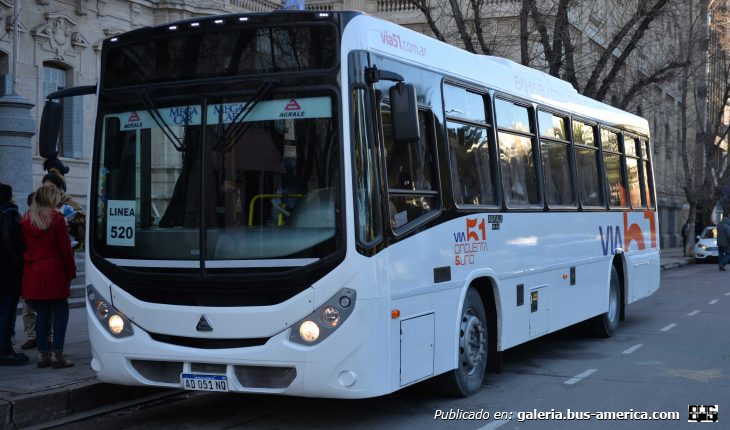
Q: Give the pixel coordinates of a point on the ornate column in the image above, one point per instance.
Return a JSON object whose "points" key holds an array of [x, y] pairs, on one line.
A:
{"points": [[17, 128]]}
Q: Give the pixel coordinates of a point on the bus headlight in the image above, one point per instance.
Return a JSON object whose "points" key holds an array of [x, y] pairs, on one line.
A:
{"points": [[309, 331], [315, 327], [113, 321], [331, 316]]}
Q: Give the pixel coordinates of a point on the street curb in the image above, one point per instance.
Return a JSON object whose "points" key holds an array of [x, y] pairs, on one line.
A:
{"points": [[674, 265], [42, 407]]}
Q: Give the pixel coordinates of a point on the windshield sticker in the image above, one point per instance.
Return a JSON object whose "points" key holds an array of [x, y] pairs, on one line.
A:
{"points": [[269, 110], [272, 110], [120, 222]]}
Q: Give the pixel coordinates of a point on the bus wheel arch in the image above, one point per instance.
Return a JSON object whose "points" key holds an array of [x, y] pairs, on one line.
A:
{"points": [[606, 324], [477, 342], [619, 262]]}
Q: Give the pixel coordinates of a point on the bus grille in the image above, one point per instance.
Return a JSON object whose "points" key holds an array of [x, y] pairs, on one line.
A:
{"points": [[196, 342], [265, 377], [167, 372]]}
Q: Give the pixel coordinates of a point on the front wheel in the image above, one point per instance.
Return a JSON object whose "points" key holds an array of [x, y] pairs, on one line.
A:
{"points": [[605, 325], [467, 378]]}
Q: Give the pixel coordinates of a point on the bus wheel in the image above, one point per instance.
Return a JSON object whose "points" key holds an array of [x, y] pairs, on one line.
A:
{"points": [[466, 379], [605, 325]]}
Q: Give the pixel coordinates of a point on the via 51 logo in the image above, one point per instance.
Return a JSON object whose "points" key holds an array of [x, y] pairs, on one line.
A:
{"points": [[611, 238], [470, 242]]}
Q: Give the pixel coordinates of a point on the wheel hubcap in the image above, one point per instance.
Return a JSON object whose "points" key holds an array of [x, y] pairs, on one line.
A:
{"points": [[471, 342]]}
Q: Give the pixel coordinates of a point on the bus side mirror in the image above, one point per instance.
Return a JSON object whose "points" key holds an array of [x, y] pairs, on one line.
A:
{"points": [[404, 113], [50, 125]]}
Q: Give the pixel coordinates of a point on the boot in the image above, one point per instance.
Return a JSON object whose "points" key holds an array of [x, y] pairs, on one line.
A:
{"points": [[44, 359], [58, 361]]}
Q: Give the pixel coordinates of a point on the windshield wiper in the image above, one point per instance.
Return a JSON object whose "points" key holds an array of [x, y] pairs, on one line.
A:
{"points": [[238, 127], [160, 121]]}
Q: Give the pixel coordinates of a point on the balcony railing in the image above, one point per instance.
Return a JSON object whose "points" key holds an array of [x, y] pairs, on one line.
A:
{"points": [[395, 6]]}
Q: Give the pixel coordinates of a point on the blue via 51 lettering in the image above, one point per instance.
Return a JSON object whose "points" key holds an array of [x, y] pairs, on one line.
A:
{"points": [[702, 413]]}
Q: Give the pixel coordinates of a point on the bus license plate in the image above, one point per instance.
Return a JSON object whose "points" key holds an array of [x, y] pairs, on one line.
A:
{"points": [[198, 382]]}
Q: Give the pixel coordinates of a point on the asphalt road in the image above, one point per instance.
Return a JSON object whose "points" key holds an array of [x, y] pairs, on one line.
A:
{"points": [[672, 351]]}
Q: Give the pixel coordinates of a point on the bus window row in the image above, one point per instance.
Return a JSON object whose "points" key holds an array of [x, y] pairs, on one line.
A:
{"points": [[547, 159]]}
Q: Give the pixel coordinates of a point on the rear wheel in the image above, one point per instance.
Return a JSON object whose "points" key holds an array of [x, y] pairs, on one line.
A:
{"points": [[605, 325], [467, 378]]}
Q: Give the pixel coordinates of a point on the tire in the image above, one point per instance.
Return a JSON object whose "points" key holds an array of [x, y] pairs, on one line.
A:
{"points": [[605, 325], [467, 378]]}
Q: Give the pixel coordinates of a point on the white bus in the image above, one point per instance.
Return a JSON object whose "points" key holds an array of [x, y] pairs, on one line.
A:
{"points": [[331, 205]]}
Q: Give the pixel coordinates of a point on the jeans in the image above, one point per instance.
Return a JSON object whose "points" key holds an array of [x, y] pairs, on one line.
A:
{"points": [[51, 314], [723, 255]]}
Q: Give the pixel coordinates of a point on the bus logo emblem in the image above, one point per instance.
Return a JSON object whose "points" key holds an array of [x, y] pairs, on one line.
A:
{"points": [[292, 105], [204, 324], [134, 117]]}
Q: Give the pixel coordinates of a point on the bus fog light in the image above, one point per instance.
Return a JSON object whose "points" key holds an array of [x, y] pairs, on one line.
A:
{"points": [[102, 310], [309, 331], [331, 316], [116, 324]]}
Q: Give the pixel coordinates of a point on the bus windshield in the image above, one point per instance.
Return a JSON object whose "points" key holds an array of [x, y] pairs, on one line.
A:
{"points": [[220, 179]]}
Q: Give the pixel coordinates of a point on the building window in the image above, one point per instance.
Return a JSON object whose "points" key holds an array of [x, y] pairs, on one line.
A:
{"points": [[70, 142], [6, 84]]}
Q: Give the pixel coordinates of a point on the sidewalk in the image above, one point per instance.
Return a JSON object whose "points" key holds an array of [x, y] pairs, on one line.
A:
{"points": [[30, 396]]}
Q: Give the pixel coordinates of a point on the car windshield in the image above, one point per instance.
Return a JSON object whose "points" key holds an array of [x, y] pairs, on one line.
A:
{"points": [[259, 180], [709, 233]]}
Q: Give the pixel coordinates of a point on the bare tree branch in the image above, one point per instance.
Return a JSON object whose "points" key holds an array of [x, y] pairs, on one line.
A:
{"points": [[524, 33], [425, 8], [476, 5], [660, 75], [647, 19], [461, 25]]}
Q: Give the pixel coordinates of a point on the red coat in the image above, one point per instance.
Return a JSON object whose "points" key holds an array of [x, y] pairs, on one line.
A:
{"points": [[49, 261]]}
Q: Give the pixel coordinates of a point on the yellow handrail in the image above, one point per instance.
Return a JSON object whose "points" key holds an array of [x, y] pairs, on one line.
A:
{"points": [[268, 196]]}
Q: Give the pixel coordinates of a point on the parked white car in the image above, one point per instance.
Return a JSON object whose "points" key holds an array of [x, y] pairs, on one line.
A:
{"points": [[706, 246]]}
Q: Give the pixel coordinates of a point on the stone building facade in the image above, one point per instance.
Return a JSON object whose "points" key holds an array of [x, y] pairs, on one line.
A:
{"points": [[60, 44]]}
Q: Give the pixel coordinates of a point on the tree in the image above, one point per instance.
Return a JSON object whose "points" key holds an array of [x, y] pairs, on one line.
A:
{"points": [[548, 30], [706, 94]]}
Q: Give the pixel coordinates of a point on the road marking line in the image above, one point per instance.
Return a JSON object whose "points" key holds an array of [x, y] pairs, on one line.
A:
{"points": [[693, 313], [669, 327], [632, 349], [580, 376], [713, 302], [495, 424]]}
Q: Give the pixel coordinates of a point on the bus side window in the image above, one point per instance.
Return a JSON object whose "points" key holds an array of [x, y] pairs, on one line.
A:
{"points": [[646, 174], [470, 148], [556, 162], [586, 161], [411, 172], [615, 176], [517, 155], [632, 171]]}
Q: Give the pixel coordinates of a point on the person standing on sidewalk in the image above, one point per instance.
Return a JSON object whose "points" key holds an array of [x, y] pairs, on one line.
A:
{"points": [[29, 312], [11, 274], [48, 272], [723, 241]]}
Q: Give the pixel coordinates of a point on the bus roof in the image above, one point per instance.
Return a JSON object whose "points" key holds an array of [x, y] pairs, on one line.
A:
{"points": [[500, 74]]}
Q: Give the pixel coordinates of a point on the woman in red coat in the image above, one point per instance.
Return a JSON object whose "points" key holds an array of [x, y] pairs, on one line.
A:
{"points": [[48, 272]]}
